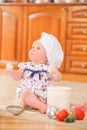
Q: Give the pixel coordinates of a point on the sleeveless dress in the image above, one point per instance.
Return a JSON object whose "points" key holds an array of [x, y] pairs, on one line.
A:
{"points": [[35, 78]]}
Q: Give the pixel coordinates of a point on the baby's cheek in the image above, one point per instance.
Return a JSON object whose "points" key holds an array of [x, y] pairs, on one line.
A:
{"points": [[40, 56]]}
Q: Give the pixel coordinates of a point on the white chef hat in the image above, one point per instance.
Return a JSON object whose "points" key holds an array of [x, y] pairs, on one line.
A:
{"points": [[53, 49]]}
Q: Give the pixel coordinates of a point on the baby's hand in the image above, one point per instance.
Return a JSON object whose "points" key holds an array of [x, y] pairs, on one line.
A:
{"points": [[52, 69], [9, 66], [16, 74], [54, 73]]}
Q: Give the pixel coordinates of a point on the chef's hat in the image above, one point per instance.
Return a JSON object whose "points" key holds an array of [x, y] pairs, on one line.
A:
{"points": [[53, 49]]}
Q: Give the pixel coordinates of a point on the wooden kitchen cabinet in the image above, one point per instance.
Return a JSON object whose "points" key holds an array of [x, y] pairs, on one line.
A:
{"points": [[15, 42], [76, 50], [20, 25], [38, 19], [11, 24]]}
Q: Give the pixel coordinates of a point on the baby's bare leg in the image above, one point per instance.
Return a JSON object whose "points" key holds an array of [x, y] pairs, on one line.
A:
{"points": [[29, 99]]}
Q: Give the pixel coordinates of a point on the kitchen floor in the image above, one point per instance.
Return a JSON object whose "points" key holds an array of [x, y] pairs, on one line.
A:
{"points": [[7, 97], [8, 88]]}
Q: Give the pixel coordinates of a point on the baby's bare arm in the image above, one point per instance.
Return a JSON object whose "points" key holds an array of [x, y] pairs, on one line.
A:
{"points": [[16, 74], [55, 74]]}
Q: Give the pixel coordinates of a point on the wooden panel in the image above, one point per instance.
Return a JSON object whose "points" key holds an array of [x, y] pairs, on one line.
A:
{"points": [[18, 123], [11, 31], [0, 34], [76, 65], [43, 19], [40, 21], [77, 47], [77, 14], [76, 51], [77, 30], [9, 36]]}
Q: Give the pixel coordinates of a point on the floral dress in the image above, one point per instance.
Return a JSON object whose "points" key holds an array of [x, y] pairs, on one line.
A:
{"points": [[35, 78]]}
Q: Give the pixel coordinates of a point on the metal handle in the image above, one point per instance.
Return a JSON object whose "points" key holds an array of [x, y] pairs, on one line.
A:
{"points": [[83, 66], [85, 14], [84, 31], [84, 49], [63, 9]]}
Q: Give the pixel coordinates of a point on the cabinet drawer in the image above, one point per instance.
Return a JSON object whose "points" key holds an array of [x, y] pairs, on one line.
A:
{"points": [[77, 14], [76, 65], [77, 47], [77, 31]]}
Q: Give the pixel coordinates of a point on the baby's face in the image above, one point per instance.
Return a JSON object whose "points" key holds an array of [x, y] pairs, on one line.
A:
{"points": [[37, 53]]}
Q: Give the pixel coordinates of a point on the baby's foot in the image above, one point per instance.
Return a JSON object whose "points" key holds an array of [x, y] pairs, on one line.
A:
{"points": [[43, 109]]}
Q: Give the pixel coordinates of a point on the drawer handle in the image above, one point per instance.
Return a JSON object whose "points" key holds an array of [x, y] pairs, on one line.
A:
{"points": [[83, 66], [84, 49], [84, 31], [85, 14], [63, 9]]}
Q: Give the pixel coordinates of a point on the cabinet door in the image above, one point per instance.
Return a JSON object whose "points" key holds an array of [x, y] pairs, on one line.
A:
{"points": [[38, 19], [10, 33]]}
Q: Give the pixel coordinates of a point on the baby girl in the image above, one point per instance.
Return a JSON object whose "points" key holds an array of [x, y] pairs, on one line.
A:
{"points": [[46, 57]]}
